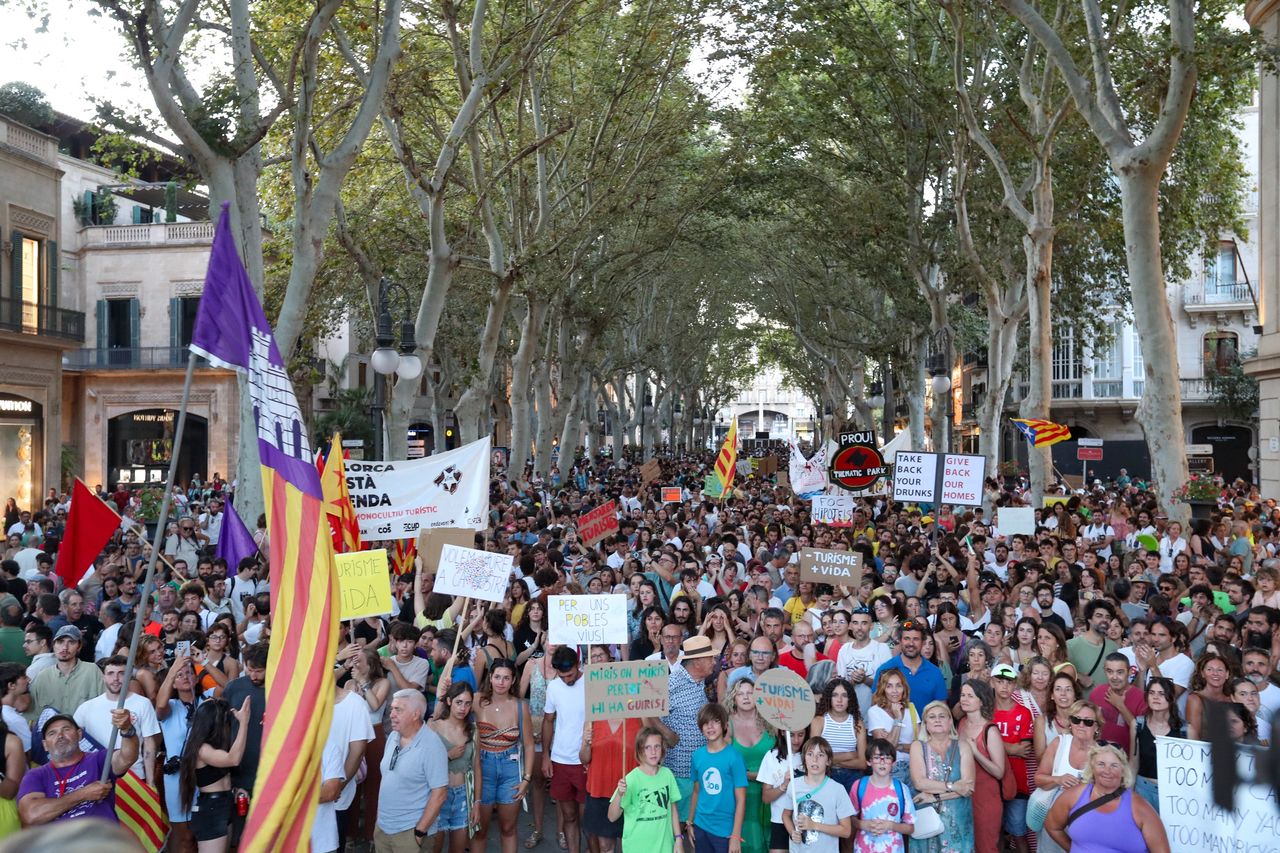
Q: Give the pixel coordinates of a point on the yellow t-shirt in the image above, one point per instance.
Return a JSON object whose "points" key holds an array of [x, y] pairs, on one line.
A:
{"points": [[795, 608]]}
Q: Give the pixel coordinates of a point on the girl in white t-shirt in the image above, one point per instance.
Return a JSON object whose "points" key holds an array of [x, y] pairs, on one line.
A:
{"points": [[774, 775]]}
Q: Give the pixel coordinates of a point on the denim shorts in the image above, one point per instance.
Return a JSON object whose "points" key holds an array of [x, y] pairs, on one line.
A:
{"points": [[453, 814], [499, 776], [1015, 816], [1149, 790]]}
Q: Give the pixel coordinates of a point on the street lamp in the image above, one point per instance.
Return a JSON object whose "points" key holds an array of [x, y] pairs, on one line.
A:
{"points": [[386, 360], [877, 396], [941, 384]]}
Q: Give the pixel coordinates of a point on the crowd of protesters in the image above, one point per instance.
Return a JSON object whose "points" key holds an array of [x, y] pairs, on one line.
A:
{"points": [[977, 691]]}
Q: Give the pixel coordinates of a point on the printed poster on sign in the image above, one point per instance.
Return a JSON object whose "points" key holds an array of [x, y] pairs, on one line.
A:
{"points": [[857, 465], [1192, 821], [630, 688], [833, 567], [711, 487], [364, 584], [400, 499], [671, 494], [962, 478], [473, 574], [587, 620], [598, 523], [835, 510], [915, 477]]}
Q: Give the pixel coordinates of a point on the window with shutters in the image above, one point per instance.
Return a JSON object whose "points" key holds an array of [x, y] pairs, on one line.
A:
{"points": [[30, 285], [118, 331]]}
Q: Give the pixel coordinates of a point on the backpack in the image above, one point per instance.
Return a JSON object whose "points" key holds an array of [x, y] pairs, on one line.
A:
{"points": [[897, 787]]}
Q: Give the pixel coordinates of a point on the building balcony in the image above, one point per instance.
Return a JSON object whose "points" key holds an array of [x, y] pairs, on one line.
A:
{"points": [[153, 234], [130, 358], [41, 320], [1075, 392], [32, 143], [1210, 295]]}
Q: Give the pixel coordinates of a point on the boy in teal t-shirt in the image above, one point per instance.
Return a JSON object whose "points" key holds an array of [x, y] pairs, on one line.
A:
{"points": [[719, 799]]}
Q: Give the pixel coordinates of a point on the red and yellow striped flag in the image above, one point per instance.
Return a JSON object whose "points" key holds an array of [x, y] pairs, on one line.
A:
{"points": [[728, 459], [232, 331], [139, 809], [1042, 433], [343, 525]]}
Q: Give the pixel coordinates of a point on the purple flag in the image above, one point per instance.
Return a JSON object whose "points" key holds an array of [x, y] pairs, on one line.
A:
{"points": [[236, 542], [232, 331]]}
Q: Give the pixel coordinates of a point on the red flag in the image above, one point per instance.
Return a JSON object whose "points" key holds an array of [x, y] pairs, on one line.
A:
{"points": [[90, 524]]}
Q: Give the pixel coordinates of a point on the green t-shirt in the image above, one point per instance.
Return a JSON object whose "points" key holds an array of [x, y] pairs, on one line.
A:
{"points": [[647, 807], [1087, 658]]}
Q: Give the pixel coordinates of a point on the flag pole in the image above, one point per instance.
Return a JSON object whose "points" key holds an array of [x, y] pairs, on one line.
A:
{"points": [[149, 583]]}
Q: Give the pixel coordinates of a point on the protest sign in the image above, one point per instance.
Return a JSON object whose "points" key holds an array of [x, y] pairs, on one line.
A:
{"points": [[744, 468], [857, 465], [650, 471], [598, 523], [1012, 520], [808, 476], [833, 567], [962, 478], [711, 487], [785, 699], [400, 499], [473, 574], [671, 494], [768, 465], [630, 688], [364, 584], [587, 620], [835, 510], [915, 477], [1192, 820], [430, 542], [784, 479]]}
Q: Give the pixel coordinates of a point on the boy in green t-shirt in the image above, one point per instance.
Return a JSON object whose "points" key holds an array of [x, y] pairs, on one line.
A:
{"points": [[648, 796]]}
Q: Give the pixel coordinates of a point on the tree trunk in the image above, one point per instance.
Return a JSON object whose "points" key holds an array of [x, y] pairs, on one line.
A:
{"points": [[1160, 411], [546, 426], [1039, 256], [521, 375], [1002, 350], [472, 405], [918, 379]]}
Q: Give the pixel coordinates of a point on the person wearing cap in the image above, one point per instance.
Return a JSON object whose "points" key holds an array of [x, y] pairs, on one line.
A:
{"points": [[1017, 730], [69, 682], [67, 787], [686, 697]]}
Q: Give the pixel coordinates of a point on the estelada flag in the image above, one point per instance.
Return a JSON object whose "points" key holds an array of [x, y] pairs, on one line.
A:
{"points": [[727, 459], [232, 331], [90, 524], [1042, 433], [343, 526]]}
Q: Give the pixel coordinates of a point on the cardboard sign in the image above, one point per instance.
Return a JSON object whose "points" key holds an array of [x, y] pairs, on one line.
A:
{"points": [[833, 567], [473, 574], [430, 542], [915, 477], [598, 523], [631, 688], [582, 620], [671, 494], [835, 510], [785, 699], [1012, 520], [364, 584], [650, 471], [784, 479], [768, 465]]}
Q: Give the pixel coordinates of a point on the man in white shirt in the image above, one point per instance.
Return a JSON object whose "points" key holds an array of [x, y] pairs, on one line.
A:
{"points": [[1257, 668], [860, 658], [25, 527], [562, 725], [94, 716], [1165, 657], [211, 521], [998, 561], [1100, 534], [111, 615], [350, 733], [671, 638]]}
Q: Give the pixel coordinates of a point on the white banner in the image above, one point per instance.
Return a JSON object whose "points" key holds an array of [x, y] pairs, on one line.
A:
{"points": [[581, 620], [1187, 810], [398, 500], [835, 510], [1012, 520], [808, 476], [473, 574]]}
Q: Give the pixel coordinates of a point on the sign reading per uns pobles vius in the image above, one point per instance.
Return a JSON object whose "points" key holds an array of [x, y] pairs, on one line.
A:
{"points": [[785, 699], [949, 478], [587, 620], [833, 567], [629, 688], [400, 499]]}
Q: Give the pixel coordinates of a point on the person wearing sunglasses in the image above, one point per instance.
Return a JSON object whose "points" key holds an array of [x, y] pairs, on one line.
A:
{"points": [[415, 777], [1063, 763]]}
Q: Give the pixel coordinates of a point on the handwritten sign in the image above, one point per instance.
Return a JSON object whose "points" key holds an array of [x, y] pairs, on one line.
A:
{"points": [[671, 494], [962, 478], [473, 574], [580, 620], [711, 487], [364, 584], [915, 477], [598, 523], [631, 688], [1187, 808], [833, 567], [430, 543], [785, 699], [835, 510]]}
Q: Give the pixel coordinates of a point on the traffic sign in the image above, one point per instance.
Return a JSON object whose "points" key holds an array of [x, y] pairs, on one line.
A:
{"points": [[1089, 454], [1088, 442]]}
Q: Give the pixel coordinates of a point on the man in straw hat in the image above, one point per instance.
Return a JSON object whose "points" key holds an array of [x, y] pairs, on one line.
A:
{"points": [[687, 696]]}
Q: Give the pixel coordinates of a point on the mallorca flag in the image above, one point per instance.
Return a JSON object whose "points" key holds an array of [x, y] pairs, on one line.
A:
{"points": [[90, 523], [232, 331], [728, 458], [139, 809], [343, 526], [1042, 433]]}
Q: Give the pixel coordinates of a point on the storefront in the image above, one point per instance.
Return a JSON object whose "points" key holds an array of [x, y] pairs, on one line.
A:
{"points": [[140, 447], [21, 448]]}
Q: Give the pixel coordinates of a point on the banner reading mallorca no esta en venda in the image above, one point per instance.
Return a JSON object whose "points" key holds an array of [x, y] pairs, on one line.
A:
{"points": [[399, 499]]}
